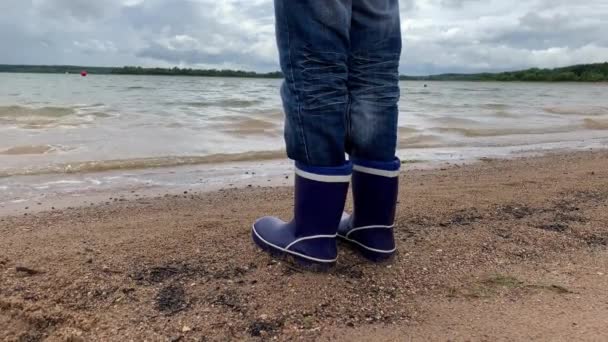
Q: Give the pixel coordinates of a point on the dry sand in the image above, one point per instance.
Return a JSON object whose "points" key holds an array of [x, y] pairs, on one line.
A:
{"points": [[502, 250]]}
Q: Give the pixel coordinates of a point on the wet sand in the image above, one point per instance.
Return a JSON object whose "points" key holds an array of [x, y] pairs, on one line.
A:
{"points": [[499, 250]]}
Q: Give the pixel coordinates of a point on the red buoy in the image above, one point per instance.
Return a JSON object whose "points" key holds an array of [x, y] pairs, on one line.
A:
{"points": [[83, 73]]}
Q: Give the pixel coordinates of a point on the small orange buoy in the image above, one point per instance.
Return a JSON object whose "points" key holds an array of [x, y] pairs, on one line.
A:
{"points": [[83, 73]]}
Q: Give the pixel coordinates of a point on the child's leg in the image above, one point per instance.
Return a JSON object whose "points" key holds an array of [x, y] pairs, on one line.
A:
{"points": [[373, 82], [313, 41], [372, 135]]}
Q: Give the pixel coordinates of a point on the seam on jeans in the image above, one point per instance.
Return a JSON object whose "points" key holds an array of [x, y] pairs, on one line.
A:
{"points": [[349, 119], [348, 124], [297, 91], [302, 136]]}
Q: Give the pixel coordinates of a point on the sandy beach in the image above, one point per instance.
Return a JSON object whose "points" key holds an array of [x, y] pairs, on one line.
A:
{"points": [[499, 250]]}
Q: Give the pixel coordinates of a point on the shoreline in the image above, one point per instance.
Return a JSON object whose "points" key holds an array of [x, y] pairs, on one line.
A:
{"points": [[27, 194], [500, 249]]}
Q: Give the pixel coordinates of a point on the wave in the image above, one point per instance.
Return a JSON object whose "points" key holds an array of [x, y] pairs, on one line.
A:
{"points": [[481, 89], [98, 114], [137, 88], [145, 163], [245, 126], [505, 114], [420, 141], [453, 121], [197, 104], [595, 124], [227, 103], [273, 115], [419, 92], [496, 132], [25, 150], [175, 125], [500, 106], [236, 103], [88, 106], [46, 112], [34, 150], [48, 117], [582, 111], [408, 130]]}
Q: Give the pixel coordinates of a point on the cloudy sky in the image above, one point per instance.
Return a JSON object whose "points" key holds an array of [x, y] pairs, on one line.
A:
{"points": [[439, 35]]}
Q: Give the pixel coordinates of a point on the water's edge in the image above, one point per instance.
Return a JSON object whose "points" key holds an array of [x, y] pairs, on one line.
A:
{"points": [[39, 193]]}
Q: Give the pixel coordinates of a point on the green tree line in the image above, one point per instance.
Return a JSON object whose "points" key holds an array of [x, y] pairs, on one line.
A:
{"points": [[133, 70], [130, 70], [597, 72], [577, 73]]}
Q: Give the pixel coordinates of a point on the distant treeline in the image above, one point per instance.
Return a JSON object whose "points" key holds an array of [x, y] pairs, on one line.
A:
{"points": [[132, 70], [53, 69], [577, 73], [129, 70]]}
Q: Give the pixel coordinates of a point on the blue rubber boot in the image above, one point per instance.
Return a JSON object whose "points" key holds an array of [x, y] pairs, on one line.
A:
{"points": [[310, 238], [370, 228]]}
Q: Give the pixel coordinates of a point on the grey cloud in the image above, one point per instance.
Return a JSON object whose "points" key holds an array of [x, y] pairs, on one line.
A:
{"points": [[536, 32], [77, 9], [175, 15], [407, 5], [456, 4], [180, 56]]}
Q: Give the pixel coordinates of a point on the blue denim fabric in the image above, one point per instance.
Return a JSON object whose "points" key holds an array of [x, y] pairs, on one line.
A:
{"points": [[340, 59]]}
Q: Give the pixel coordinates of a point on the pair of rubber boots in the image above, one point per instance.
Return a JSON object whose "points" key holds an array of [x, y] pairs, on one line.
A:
{"points": [[319, 218]]}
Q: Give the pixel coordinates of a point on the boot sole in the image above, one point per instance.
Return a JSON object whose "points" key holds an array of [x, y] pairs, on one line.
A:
{"points": [[294, 259], [376, 257]]}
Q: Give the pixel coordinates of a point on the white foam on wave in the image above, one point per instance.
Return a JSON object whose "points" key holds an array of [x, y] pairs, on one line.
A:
{"points": [[64, 182]]}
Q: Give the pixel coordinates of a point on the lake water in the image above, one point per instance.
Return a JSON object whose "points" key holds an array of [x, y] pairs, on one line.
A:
{"points": [[77, 132]]}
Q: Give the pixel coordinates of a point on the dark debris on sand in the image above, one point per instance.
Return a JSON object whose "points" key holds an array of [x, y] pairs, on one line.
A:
{"points": [[171, 299]]}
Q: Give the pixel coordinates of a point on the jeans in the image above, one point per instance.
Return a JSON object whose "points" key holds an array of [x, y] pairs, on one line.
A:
{"points": [[340, 59]]}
